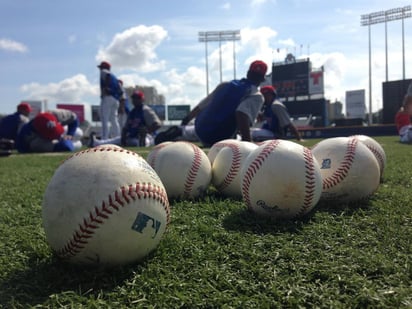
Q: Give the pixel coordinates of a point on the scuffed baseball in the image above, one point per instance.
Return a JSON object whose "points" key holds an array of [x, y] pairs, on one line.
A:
{"points": [[184, 169], [151, 157], [281, 179], [376, 149], [216, 147], [350, 171], [227, 165], [104, 206]]}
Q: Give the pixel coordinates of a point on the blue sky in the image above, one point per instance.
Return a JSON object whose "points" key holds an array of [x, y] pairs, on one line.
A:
{"points": [[49, 49]]}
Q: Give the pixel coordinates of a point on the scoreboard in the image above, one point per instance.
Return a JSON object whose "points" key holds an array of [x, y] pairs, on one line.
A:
{"points": [[291, 79]]}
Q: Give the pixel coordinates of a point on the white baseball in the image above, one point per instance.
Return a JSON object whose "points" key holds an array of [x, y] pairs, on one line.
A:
{"points": [[216, 147], [110, 145], [349, 169], [376, 149], [184, 169], [105, 205], [226, 167], [281, 179], [151, 157]]}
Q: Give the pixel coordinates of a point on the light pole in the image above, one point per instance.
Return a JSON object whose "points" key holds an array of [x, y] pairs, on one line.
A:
{"points": [[219, 36], [384, 17]]}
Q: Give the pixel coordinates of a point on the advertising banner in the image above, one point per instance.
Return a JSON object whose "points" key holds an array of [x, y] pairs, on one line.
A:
{"points": [[78, 109], [355, 104]]}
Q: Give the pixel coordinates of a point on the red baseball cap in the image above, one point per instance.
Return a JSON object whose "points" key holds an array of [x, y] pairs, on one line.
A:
{"points": [[268, 89], [47, 126], [104, 65], [138, 94], [258, 67], [24, 107]]}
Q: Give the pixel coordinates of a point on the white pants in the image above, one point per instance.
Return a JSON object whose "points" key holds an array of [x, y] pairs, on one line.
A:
{"points": [[189, 133], [108, 113], [259, 134], [405, 134], [122, 119], [78, 134]]}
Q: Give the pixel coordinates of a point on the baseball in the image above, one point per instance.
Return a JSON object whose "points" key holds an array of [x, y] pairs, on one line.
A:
{"points": [[376, 149], [216, 147], [227, 165], [151, 157], [349, 169], [104, 206], [110, 146], [184, 169], [281, 179]]}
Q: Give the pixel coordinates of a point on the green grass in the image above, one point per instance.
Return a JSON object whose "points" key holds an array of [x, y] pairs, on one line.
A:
{"points": [[215, 254]]}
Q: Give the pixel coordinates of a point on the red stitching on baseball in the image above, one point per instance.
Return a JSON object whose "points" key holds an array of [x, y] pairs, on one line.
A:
{"points": [[101, 149], [153, 155], [194, 169], [343, 170], [254, 167], [310, 183], [100, 214], [378, 156], [234, 167]]}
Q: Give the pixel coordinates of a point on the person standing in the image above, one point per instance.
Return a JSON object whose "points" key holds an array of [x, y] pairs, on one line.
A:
{"points": [[276, 118], [141, 123], [231, 108], [124, 107], [11, 124], [110, 94]]}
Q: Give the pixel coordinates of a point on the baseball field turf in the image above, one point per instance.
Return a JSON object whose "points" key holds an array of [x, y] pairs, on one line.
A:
{"points": [[216, 254]]}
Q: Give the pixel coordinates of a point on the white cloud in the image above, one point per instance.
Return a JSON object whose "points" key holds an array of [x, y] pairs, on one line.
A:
{"points": [[255, 3], [70, 90], [134, 49], [225, 6], [72, 38], [13, 46], [288, 42]]}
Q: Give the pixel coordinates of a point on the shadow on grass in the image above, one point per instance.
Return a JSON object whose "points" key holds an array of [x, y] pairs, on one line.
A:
{"points": [[35, 285], [244, 220], [348, 208]]}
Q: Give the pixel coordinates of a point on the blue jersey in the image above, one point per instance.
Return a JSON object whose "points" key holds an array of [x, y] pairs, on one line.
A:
{"points": [[135, 121], [113, 88], [276, 122], [271, 121], [27, 134], [9, 125], [217, 121]]}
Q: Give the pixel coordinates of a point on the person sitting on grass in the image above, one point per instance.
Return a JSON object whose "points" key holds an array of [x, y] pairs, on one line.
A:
{"points": [[403, 120], [230, 109], [11, 125], [141, 123], [44, 133], [276, 118]]}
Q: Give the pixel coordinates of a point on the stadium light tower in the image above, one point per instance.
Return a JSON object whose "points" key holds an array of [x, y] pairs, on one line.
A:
{"points": [[384, 17], [219, 36]]}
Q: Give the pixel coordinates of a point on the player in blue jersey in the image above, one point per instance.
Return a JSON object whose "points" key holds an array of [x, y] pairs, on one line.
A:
{"points": [[110, 93], [11, 124], [141, 123], [230, 109], [124, 107], [276, 119], [44, 133]]}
